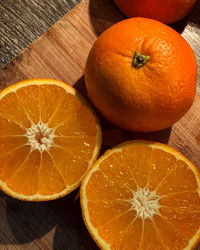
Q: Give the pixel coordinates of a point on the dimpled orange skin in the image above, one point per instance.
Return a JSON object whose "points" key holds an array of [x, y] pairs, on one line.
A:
{"points": [[165, 11], [149, 98]]}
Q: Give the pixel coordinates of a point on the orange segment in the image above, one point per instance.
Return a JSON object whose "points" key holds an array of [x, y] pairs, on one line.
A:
{"points": [[104, 211], [116, 170], [162, 165], [139, 162], [51, 180], [9, 163], [184, 200], [50, 98], [171, 238], [10, 143], [151, 237], [49, 137], [142, 195], [28, 174], [185, 221], [71, 166], [29, 98], [80, 123], [98, 185], [116, 227], [80, 146], [66, 108], [11, 109], [10, 128], [131, 237], [181, 179]]}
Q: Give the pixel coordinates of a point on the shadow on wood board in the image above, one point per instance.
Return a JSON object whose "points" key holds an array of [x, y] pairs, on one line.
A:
{"points": [[103, 14], [23, 222], [192, 19], [60, 219], [101, 17], [194, 16], [71, 233]]}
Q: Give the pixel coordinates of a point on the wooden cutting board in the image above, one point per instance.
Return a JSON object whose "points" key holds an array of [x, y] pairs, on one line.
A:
{"points": [[61, 53]]}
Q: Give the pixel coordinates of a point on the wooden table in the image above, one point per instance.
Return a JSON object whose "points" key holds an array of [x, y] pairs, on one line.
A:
{"points": [[56, 224], [48, 225], [23, 21]]}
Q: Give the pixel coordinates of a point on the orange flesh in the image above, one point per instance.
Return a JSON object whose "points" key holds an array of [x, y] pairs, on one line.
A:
{"points": [[27, 172], [112, 185]]}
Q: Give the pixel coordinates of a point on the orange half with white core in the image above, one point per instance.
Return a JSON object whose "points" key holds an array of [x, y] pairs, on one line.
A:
{"points": [[49, 137], [142, 195]]}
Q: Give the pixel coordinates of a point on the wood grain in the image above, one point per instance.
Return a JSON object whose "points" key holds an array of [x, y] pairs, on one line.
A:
{"points": [[61, 53], [22, 21], [72, 37]]}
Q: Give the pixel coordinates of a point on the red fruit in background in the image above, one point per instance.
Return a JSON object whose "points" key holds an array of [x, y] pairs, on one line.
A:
{"points": [[166, 11]]}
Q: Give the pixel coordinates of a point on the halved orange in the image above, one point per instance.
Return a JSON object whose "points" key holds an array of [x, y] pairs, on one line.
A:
{"points": [[49, 136], [142, 195]]}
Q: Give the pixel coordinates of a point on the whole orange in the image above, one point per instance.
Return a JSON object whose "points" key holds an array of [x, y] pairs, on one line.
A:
{"points": [[165, 11], [141, 75]]}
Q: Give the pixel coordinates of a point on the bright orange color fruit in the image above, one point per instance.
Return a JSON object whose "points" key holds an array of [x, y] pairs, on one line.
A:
{"points": [[49, 137], [165, 11], [142, 195], [141, 75]]}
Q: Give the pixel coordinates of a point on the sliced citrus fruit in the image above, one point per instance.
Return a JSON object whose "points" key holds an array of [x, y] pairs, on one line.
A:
{"points": [[142, 195], [49, 137]]}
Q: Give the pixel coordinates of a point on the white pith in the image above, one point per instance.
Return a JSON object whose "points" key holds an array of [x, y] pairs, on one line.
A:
{"points": [[145, 203], [40, 136]]}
